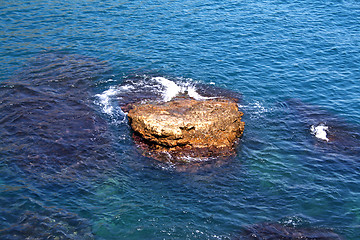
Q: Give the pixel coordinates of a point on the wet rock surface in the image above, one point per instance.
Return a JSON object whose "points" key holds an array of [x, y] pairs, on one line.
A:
{"points": [[276, 231], [183, 129]]}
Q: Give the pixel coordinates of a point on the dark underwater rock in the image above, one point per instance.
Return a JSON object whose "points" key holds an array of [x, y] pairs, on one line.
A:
{"points": [[330, 131], [47, 122], [276, 231], [187, 128], [48, 225]]}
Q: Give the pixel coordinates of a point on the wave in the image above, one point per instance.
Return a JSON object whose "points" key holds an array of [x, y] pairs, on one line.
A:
{"points": [[170, 89], [108, 102], [143, 88]]}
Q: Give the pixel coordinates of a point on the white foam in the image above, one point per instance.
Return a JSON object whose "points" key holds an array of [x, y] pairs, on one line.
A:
{"points": [[255, 109], [193, 159], [105, 100], [259, 108], [320, 132], [171, 89], [108, 101], [194, 94]]}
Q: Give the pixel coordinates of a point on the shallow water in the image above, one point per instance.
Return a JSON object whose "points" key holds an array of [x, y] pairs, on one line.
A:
{"points": [[69, 166]]}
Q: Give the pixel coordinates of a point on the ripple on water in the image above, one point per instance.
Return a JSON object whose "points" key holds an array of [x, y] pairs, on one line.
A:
{"points": [[267, 50]]}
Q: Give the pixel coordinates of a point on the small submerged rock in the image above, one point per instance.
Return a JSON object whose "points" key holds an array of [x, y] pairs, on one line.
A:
{"points": [[329, 130], [276, 231], [48, 224], [185, 129]]}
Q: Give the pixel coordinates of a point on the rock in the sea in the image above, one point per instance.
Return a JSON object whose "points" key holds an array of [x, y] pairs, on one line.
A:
{"points": [[48, 126], [48, 224], [276, 231], [187, 128]]}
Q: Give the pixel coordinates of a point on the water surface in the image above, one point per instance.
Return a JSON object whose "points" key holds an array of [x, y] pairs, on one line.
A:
{"points": [[69, 166]]}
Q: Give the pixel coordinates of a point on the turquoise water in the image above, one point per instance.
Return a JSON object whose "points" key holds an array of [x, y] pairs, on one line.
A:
{"points": [[68, 164]]}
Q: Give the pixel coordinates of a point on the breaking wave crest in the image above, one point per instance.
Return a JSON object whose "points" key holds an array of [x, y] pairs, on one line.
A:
{"points": [[170, 89], [139, 88], [108, 101]]}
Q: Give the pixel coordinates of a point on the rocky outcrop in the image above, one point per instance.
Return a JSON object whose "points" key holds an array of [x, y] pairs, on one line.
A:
{"points": [[184, 129]]}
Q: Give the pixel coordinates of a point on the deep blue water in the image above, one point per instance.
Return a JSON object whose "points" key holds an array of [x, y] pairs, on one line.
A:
{"points": [[68, 163]]}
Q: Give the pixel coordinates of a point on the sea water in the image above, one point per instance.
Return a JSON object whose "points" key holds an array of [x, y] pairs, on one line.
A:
{"points": [[69, 166]]}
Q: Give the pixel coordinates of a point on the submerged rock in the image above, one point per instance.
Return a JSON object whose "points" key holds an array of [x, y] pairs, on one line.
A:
{"points": [[48, 124], [183, 129], [49, 224], [329, 130], [276, 231]]}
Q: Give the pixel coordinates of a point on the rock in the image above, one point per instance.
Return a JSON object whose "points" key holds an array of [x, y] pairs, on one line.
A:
{"points": [[48, 224], [328, 131], [48, 125], [275, 231], [187, 128]]}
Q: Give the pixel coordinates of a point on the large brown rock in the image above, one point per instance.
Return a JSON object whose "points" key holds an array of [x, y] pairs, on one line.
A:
{"points": [[184, 129]]}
